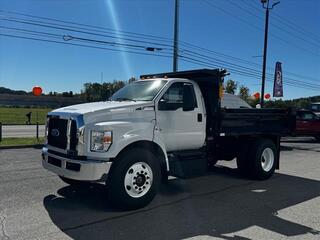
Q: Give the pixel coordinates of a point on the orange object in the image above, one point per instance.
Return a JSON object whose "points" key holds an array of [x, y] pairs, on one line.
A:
{"points": [[256, 95], [37, 91], [267, 96]]}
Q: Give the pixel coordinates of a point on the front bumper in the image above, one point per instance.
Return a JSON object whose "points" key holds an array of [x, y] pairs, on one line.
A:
{"points": [[85, 170]]}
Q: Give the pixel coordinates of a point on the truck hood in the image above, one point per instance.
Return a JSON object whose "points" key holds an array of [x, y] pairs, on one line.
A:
{"points": [[97, 106], [109, 111]]}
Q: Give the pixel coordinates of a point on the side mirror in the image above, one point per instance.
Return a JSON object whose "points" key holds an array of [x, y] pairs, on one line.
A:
{"points": [[188, 103], [162, 105]]}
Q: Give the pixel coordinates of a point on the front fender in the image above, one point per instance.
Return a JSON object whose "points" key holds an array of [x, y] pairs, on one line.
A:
{"points": [[124, 133]]}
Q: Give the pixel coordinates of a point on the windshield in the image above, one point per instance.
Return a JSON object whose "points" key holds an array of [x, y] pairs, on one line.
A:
{"points": [[315, 107], [144, 90]]}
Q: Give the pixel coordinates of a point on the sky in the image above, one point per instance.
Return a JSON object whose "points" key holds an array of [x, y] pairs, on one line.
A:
{"points": [[231, 27]]}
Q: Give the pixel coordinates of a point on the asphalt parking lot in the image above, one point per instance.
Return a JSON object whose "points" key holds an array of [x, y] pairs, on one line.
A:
{"points": [[35, 204]]}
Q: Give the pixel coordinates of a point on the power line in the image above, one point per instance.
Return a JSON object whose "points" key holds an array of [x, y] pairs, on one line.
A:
{"points": [[206, 64], [83, 45], [258, 28], [291, 33], [135, 35], [288, 23], [106, 30], [235, 68], [222, 62], [74, 30]]}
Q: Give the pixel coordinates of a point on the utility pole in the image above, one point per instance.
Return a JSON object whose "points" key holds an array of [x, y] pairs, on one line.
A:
{"points": [[176, 36], [265, 5]]}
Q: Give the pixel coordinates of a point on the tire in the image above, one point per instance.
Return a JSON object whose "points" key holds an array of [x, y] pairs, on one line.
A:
{"points": [[134, 179], [242, 160], [260, 159], [74, 183]]}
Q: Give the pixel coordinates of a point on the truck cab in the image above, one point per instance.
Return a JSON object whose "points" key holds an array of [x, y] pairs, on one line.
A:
{"points": [[164, 124]]}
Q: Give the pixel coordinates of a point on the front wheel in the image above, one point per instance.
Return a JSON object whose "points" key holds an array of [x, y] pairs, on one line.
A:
{"points": [[134, 179]]}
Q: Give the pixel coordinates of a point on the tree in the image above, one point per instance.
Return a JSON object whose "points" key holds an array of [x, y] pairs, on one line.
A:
{"points": [[231, 86], [244, 92], [132, 79]]}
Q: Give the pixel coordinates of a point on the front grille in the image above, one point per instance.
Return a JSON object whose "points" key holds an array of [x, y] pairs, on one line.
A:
{"points": [[73, 136], [57, 133]]}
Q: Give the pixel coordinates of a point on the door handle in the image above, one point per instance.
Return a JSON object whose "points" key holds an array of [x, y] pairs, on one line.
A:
{"points": [[199, 117]]}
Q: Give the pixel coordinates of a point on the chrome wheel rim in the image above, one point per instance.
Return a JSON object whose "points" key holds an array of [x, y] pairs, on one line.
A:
{"points": [[138, 179], [267, 159]]}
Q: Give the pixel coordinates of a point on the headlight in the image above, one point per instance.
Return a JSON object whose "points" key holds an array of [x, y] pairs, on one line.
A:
{"points": [[100, 141]]}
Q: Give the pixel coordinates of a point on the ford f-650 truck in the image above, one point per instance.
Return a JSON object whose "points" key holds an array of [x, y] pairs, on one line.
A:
{"points": [[168, 124]]}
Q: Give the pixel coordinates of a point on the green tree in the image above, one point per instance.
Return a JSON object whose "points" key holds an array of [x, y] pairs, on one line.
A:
{"points": [[244, 92], [231, 86]]}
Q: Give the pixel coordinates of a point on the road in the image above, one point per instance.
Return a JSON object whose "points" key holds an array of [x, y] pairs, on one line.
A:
{"points": [[35, 204], [21, 131]]}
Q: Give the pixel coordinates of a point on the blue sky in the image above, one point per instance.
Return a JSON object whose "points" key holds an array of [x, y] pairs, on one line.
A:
{"points": [[227, 26]]}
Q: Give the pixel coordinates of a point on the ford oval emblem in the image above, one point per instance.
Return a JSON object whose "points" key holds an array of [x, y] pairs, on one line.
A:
{"points": [[55, 132]]}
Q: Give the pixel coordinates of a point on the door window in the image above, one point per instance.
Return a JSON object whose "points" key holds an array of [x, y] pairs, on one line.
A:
{"points": [[307, 116], [173, 97]]}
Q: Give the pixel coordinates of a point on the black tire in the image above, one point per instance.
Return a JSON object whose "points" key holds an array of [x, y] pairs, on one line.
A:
{"points": [[117, 192], [74, 183], [243, 160], [250, 162]]}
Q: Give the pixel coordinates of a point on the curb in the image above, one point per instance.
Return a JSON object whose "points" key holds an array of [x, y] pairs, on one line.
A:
{"points": [[39, 146]]}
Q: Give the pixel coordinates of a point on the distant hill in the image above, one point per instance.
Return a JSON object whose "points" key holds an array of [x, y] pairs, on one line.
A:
{"points": [[4, 90]]}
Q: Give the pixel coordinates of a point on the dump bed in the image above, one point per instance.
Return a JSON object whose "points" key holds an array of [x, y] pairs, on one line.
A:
{"points": [[250, 121], [233, 122]]}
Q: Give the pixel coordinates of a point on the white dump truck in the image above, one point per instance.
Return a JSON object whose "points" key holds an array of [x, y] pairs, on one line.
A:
{"points": [[164, 124]]}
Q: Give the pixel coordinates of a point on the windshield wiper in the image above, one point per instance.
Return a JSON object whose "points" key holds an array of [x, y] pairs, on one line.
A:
{"points": [[125, 99]]}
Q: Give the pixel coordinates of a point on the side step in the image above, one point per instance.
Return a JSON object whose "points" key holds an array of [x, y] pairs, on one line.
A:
{"points": [[188, 164]]}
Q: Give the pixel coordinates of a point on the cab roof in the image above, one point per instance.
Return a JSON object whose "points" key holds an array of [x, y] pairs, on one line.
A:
{"points": [[198, 75]]}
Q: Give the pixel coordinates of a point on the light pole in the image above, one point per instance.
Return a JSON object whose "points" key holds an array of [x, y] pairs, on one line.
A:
{"points": [[265, 5], [176, 36]]}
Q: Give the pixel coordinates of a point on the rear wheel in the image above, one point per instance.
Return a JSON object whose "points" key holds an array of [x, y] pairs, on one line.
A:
{"points": [[260, 159], [134, 179]]}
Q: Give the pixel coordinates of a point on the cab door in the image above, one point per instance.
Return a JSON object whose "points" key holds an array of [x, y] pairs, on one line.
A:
{"points": [[179, 128]]}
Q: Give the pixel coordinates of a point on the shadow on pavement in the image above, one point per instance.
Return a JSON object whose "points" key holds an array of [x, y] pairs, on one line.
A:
{"points": [[300, 140], [290, 148], [214, 205]]}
